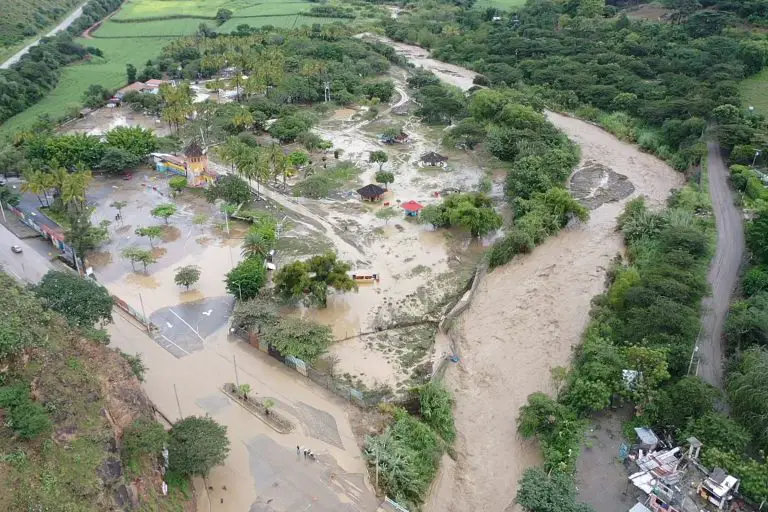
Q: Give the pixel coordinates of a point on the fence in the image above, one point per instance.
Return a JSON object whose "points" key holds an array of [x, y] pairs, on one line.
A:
{"points": [[135, 314], [445, 325], [323, 378]]}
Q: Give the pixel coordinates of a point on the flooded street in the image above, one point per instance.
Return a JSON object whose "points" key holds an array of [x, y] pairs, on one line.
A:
{"points": [[526, 318]]}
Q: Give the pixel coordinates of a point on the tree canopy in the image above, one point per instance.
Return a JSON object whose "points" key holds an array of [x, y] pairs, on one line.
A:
{"points": [[81, 301], [196, 445], [295, 337], [309, 280], [246, 279]]}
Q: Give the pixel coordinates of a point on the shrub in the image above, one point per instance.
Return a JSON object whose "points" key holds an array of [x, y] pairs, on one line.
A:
{"points": [[716, 430], [436, 408], [755, 281], [407, 453], [504, 249], [26, 418], [142, 437], [543, 492]]}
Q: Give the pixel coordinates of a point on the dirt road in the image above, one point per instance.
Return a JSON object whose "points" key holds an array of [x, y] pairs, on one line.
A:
{"points": [[65, 23], [724, 270]]}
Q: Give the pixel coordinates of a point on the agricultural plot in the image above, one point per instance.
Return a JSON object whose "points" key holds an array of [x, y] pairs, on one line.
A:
{"points": [[289, 21], [138, 9], [155, 28], [500, 4], [109, 72], [272, 8]]}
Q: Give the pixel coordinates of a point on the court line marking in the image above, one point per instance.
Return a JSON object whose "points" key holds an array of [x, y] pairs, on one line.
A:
{"points": [[185, 323], [175, 345]]}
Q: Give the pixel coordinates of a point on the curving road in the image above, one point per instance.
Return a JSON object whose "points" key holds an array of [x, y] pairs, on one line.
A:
{"points": [[65, 23], [724, 270]]}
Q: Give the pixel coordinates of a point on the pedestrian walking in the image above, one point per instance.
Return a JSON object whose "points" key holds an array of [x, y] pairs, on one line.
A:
{"points": [[306, 451], [298, 449]]}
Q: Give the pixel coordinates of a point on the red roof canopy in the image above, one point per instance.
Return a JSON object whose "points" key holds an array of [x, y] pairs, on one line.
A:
{"points": [[412, 206]]}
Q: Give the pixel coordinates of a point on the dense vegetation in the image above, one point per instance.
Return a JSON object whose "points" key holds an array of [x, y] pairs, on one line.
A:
{"points": [[26, 18], [65, 400], [37, 73], [408, 452], [647, 322], [648, 82]]}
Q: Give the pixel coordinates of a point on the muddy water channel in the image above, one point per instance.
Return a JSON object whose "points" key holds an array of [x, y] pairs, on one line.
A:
{"points": [[527, 316]]}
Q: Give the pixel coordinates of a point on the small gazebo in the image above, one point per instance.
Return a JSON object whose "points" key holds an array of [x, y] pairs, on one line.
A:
{"points": [[433, 159], [412, 208], [371, 192]]}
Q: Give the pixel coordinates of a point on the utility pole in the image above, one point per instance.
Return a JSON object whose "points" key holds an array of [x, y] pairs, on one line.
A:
{"points": [[377, 466], [237, 380], [175, 392], [144, 314], [3, 210]]}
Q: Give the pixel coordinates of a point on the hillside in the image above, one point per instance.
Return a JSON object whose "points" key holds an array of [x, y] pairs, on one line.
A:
{"points": [[26, 18], [65, 402]]}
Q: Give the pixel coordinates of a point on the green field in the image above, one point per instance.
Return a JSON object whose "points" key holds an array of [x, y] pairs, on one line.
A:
{"points": [[754, 91], [157, 28], [109, 72], [136, 42], [500, 4], [154, 8]]}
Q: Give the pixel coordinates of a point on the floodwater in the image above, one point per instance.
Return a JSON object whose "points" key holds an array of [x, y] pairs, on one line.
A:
{"points": [[526, 319], [178, 245], [414, 262]]}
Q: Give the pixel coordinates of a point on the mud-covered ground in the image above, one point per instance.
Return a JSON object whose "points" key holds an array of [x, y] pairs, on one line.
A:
{"points": [[102, 120]]}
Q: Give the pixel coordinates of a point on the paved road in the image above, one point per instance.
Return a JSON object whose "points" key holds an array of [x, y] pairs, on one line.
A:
{"points": [[263, 472], [65, 23], [724, 271], [29, 266]]}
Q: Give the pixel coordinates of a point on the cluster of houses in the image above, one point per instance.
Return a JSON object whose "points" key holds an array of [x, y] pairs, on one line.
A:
{"points": [[148, 87], [675, 481]]}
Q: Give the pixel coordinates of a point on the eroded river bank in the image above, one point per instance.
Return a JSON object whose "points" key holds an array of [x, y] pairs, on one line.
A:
{"points": [[527, 316]]}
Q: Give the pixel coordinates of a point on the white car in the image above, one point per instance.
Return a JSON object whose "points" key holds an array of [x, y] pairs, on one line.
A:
{"points": [[16, 249]]}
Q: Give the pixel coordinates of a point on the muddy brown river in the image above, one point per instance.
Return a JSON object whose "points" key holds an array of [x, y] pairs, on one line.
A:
{"points": [[528, 316]]}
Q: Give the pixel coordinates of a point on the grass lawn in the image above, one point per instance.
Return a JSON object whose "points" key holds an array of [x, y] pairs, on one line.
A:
{"points": [[159, 28], [273, 7], [153, 8], [109, 72], [754, 91], [500, 4]]}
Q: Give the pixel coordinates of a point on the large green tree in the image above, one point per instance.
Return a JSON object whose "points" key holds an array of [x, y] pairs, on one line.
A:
{"points": [[134, 139], [82, 301], [229, 188], [309, 280], [246, 279], [295, 337], [196, 445]]}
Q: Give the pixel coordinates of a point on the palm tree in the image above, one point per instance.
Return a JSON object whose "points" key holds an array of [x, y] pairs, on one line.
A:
{"points": [[243, 119], [74, 189], [35, 182], [255, 244]]}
